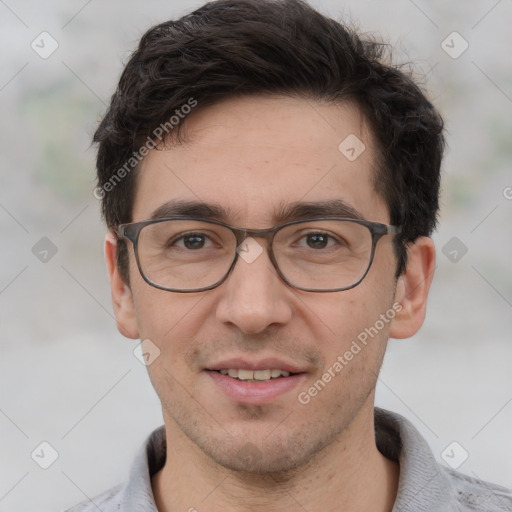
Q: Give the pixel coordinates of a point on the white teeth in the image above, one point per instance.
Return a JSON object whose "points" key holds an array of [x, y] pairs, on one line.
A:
{"points": [[254, 375], [245, 374], [261, 374]]}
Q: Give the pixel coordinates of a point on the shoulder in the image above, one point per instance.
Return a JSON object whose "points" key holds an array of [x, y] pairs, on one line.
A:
{"points": [[426, 485], [136, 492], [108, 501], [473, 494]]}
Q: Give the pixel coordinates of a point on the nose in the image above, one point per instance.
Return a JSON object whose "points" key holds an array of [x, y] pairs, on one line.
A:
{"points": [[253, 296]]}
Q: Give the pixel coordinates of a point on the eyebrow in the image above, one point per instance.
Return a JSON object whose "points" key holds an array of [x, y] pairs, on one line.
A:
{"points": [[284, 213]]}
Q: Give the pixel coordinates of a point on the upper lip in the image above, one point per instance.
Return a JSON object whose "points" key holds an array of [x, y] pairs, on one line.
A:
{"points": [[262, 364]]}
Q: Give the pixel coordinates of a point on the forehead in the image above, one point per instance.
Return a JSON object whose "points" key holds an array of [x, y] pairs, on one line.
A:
{"points": [[254, 158]]}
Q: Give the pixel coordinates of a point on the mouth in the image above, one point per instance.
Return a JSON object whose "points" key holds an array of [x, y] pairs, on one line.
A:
{"points": [[262, 384], [256, 375]]}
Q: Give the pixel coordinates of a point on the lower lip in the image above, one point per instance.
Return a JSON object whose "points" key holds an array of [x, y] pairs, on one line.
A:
{"points": [[255, 393]]}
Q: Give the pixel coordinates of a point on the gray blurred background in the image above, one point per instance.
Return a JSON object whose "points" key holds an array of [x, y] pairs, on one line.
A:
{"points": [[68, 378]]}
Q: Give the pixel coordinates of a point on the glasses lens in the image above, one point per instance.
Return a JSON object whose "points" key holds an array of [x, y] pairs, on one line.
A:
{"points": [[185, 254], [323, 255]]}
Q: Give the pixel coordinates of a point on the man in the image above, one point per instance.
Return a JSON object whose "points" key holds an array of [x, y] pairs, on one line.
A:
{"points": [[270, 185]]}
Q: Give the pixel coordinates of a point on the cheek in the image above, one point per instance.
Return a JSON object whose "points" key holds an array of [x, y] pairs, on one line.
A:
{"points": [[351, 331], [168, 320], [171, 323], [342, 317], [174, 322], [352, 353]]}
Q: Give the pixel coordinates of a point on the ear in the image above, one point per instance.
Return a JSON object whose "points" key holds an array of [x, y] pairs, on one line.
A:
{"points": [[121, 293], [413, 287]]}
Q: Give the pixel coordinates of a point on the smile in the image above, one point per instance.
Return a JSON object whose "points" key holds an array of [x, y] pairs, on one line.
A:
{"points": [[258, 387], [257, 375]]}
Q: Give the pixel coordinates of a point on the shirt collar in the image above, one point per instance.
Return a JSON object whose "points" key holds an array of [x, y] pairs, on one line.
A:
{"points": [[423, 485]]}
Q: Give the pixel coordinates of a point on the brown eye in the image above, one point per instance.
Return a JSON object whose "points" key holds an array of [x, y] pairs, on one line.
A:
{"points": [[317, 240], [194, 241]]}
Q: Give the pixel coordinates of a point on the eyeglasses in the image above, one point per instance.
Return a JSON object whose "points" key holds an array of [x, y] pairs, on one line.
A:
{"points": [[184, 254]]}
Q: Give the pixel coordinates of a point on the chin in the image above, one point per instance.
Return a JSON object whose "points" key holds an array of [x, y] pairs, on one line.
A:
{"points": [[277, 458], [257, 463]]}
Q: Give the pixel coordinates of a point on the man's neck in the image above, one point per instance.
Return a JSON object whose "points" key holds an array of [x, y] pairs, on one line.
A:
{"points": [[349, 474]]}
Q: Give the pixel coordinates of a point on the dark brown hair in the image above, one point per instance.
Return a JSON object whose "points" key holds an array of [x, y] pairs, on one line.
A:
{"points": [[241, 47]]}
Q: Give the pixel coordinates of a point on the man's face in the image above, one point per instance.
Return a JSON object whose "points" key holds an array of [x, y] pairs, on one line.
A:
{"points": [[253, 156]]}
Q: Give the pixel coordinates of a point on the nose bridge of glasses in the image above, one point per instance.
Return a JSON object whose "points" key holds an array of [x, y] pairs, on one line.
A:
{"points": [[242, 234], [249, 252]]}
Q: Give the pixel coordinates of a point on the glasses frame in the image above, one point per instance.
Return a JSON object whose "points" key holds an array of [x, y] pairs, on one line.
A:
{"points": [[131, 232]]}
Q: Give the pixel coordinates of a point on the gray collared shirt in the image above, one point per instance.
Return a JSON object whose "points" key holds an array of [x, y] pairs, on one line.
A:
{"points": [[424, 485]]}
